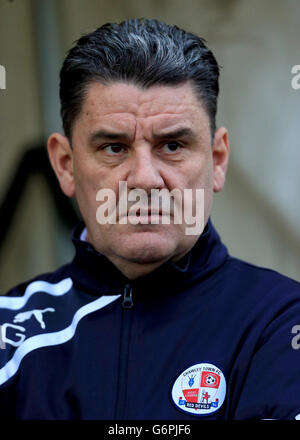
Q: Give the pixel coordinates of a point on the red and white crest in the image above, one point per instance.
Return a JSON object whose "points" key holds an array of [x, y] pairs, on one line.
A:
{"points": [[200, 389]]}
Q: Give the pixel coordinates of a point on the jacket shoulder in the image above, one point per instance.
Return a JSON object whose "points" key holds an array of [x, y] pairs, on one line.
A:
{"points": [[261, 283], [54, 277], [260, 273]]}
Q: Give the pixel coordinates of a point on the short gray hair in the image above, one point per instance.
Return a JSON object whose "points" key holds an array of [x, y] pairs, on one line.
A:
{"points": [[142, 51]]}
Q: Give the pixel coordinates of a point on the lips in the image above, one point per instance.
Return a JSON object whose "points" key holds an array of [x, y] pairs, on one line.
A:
{"points": [[148, 212]]}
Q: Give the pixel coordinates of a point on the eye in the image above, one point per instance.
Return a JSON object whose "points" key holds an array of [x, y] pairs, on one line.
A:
{"points": [[171, 147], [113, 149]]}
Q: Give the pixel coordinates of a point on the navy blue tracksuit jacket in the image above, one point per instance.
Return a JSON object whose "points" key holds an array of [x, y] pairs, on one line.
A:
{"points": [[210, 337]]}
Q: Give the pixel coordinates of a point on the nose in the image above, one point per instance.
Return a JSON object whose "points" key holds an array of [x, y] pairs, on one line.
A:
{"points": [[144, 172]]}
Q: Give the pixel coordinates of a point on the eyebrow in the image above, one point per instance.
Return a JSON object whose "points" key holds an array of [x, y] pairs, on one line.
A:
{"points": [[175, 134], [172, 134], [103, 134]]}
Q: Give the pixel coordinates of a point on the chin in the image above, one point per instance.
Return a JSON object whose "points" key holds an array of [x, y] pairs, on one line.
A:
{"points": [[146, 257], [146, 250]]}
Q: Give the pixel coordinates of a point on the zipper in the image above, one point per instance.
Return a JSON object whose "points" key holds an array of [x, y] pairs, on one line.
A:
{"points": [[127, 315], [127, 297]]}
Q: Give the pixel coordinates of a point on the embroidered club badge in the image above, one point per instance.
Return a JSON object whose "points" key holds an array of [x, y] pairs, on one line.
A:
{"points": [[200, 389]]}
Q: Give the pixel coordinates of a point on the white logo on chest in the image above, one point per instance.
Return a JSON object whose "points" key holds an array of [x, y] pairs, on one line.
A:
{"points": [[38, 314]]}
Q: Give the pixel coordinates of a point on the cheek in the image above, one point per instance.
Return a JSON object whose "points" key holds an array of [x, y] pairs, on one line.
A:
{"points": [[86, 174], [199, 173], [86, 186], [89, 182]]}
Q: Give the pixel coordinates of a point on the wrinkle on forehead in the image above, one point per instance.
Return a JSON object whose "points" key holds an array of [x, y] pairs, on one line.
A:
{"points": [[142, 111], [129, 98], [122, 106]]}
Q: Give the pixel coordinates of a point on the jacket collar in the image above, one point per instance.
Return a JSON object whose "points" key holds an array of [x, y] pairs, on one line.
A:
{"points": [[94, 273]]}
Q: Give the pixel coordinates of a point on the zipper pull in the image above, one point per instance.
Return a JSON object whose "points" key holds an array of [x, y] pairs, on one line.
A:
{"points": [[127, 298]]}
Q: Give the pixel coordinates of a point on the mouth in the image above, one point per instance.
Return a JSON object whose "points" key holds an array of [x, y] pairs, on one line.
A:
{"points": [[147, 213]]}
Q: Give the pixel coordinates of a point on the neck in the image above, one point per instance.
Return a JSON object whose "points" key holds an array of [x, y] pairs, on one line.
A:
{"points": [[133, 270]]}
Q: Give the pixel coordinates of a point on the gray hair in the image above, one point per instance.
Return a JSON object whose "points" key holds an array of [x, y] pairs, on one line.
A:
{"points": [[142, 51]]}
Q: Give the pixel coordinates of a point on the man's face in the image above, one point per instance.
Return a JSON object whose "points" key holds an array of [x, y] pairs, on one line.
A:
{"points": [[156, 138]]}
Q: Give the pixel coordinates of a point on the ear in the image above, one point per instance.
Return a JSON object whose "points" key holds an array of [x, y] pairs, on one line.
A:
{"points": [[61, 158], [220, 153]]}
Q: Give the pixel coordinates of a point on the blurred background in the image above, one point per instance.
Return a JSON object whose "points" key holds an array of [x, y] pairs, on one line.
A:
{"points": [[256, 42]]}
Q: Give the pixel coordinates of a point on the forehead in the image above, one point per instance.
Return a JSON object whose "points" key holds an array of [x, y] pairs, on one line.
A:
{"points": [[123, 106]]}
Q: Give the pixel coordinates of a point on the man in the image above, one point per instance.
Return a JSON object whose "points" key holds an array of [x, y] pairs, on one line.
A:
{"points": [[150, 320]]}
